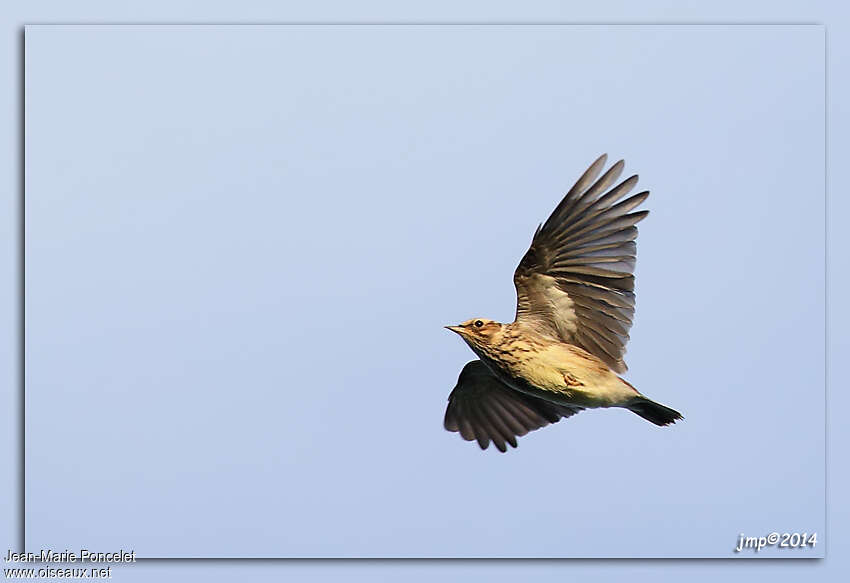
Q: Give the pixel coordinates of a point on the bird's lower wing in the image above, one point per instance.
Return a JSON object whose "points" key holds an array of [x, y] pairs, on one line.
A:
{"points": [[484, 409]]}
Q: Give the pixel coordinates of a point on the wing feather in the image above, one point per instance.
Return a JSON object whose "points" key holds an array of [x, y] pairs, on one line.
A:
{"points": [[576, 281], [484, 409]]}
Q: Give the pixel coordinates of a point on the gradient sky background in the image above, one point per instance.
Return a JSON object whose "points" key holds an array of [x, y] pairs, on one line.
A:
{"points": [[242, 244]]}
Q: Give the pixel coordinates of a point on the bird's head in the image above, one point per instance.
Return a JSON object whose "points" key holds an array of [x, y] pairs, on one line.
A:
{"points": [[478, 332]]}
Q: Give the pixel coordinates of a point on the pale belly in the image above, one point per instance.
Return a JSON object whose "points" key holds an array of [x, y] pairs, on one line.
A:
{"points": [[566, 375]]}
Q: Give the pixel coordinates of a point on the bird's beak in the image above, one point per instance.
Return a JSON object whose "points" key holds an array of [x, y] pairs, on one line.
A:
{"points": [[456, 329]]}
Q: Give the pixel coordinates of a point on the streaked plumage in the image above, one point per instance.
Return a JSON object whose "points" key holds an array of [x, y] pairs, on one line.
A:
{"points": [[575, 304]]}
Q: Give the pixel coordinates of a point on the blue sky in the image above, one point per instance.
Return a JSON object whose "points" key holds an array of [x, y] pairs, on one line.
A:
{"points": [[243, 243]]}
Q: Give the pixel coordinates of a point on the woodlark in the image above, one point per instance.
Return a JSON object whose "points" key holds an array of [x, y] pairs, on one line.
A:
{"points": [[575, 304]]}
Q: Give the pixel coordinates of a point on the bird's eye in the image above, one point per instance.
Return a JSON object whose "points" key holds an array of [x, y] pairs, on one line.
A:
{"points": [[478, 323]]}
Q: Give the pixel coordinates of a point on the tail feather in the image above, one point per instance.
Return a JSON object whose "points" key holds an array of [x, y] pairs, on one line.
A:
{"points": [[654, 412]]}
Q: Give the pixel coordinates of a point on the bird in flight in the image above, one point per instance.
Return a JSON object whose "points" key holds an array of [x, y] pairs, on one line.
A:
{"points": [[575, 303]]}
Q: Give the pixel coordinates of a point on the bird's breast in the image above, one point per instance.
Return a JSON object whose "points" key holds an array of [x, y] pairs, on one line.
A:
{"points": [[561, 373]]}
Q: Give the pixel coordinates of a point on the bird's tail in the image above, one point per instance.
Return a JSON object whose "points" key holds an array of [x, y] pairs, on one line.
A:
{"points": [[654, 412]]}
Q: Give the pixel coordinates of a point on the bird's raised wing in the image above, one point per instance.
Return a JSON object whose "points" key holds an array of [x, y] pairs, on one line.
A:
{"points": [[576, 282], [483, 408]]}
